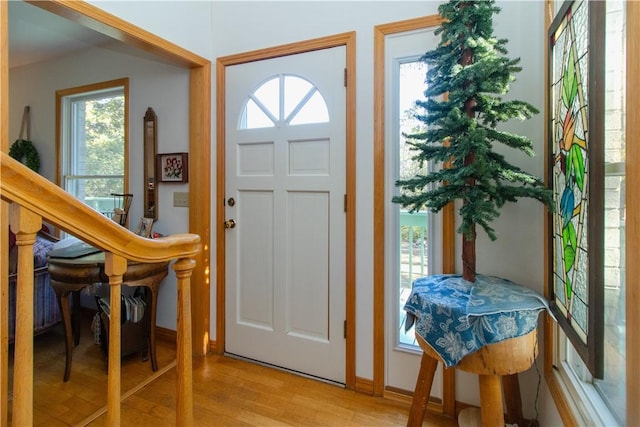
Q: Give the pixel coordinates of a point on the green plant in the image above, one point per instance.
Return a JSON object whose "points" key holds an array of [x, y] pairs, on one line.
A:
{"points": [[467, 75], [25, 152]]}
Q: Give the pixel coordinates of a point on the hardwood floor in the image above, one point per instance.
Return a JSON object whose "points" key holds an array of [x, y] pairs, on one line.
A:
{"points": [[227, 392]]}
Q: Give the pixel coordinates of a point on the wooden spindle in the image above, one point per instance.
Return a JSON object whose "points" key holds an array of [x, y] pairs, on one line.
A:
{"points": [[114, 267], [25, 224], [184, 413]]}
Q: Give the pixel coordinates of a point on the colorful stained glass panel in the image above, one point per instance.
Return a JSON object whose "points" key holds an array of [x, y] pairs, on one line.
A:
{"points": [[575, 133], [570, 166]]}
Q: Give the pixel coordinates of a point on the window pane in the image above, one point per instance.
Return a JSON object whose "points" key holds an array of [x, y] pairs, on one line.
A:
{"points": [[413, 226], [104, 133], [613, 386], [254, 118], [313, 111], [570, 132], [295, 90], [411, 86], [269, 95], [96, 192]]}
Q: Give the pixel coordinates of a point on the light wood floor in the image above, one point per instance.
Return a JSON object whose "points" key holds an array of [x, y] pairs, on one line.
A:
{"points": [[227, 392]]}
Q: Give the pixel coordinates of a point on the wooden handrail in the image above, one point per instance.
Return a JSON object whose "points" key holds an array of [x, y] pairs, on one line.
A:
{"points": [[20, 185], [33, 198]]}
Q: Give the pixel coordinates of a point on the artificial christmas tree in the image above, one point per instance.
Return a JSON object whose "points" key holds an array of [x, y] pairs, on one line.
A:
{"points": [[467, 75], [483, 325]]}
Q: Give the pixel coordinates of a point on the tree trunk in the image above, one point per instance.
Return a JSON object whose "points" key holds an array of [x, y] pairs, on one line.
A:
{"points": [[469, 257], [469, 243]]}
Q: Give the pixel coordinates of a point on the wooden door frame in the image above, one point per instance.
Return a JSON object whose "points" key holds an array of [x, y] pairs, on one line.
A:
{"points": [[199, 68], [379, 201], [345, 39]]}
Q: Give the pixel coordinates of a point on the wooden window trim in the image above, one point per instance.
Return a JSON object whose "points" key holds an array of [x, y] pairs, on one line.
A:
{"points": [[448, 231]]}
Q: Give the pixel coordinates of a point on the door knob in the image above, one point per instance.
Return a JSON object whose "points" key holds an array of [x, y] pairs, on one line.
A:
{"points": [[230, 223]]}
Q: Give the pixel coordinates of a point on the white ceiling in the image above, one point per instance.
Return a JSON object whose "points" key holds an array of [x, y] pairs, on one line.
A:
{"points": [[36, 35]]}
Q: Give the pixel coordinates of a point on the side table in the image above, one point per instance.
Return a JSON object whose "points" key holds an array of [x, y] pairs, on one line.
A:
{"points": [[70, 276], [487, 327]]}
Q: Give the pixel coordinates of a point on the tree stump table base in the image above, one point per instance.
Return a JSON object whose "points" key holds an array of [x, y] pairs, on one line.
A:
{"points": [[494, 364]]}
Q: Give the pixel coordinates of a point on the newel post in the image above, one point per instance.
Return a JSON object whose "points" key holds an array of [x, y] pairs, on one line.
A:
{"points": [[25, 224], [184, 413]]}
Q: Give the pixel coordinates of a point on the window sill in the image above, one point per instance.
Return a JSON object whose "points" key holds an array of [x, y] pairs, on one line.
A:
{"points": [[576, 403]]}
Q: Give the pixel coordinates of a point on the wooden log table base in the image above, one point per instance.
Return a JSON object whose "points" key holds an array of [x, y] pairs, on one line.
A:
{"points": [[70, 276], [493, 363]]}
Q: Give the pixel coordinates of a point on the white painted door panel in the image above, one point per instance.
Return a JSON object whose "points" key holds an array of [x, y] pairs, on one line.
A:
{"points": [[285, 268]]}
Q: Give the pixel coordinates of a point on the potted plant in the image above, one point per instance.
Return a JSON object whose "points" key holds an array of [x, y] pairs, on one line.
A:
{"points": [[468, 73]]}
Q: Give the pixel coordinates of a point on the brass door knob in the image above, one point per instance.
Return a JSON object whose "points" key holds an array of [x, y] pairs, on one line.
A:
{"points": [[230, 223]]}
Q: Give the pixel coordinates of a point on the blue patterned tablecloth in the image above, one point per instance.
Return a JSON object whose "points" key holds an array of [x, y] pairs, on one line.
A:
{"points": [[457, 317]]}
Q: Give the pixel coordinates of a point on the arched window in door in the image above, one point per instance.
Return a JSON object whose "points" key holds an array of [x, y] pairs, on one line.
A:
{"points": [[284, 100]]}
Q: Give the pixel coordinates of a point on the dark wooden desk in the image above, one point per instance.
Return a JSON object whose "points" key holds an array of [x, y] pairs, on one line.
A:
{"points": [[70, 276]]}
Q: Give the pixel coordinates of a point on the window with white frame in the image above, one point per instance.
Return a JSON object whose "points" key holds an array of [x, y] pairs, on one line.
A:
{"points": [[603, 401], [93, 142]]}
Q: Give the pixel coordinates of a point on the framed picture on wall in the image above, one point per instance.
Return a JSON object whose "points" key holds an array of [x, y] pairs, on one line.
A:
{"points": [[173, 167], [145, 227]]}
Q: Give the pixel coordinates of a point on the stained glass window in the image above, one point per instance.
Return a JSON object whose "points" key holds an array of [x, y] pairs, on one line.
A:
{"points": [[576, 174]]}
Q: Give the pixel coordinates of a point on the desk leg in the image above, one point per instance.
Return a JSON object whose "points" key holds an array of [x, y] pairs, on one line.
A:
{"points": [[63, 304], [75, 316], [152, 329]]}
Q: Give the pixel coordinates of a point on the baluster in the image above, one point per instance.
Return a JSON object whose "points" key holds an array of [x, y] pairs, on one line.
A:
{"points": [[422, 230], [4, 310], [184, 413], [25, 224], [410, 227], [114, 267]]}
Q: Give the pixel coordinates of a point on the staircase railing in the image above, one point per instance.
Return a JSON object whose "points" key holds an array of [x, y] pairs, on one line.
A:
{"points": [[33, 198]]}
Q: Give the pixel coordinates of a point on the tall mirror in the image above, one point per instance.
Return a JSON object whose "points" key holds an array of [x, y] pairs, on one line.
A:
{"points": [[150, 149]]}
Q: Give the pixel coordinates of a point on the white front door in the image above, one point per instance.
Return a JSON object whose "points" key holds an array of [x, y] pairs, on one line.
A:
{"points": [[285, 186]]}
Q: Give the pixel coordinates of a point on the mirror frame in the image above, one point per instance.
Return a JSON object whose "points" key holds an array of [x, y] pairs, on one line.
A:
{"points": [[150, 146]]}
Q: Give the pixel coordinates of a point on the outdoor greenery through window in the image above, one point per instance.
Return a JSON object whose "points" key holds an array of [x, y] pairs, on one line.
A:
{"points": [[413, 226], [93, 143]]}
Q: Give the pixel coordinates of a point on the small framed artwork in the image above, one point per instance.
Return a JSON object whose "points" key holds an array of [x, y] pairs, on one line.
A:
{"points": [[173, 167], [145, 227]]}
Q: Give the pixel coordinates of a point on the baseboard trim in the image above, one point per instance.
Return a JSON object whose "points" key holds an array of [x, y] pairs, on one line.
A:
{"points": [[364, 386], [172, 336], [166, 334], [403, 396]]}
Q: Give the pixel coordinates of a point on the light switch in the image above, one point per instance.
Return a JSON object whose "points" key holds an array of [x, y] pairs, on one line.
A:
{"points": [[181, 199]]}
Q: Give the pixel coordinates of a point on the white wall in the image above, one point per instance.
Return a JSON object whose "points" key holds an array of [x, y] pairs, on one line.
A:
{"points": [[239, 26], [158, 85], [184, 23]]}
